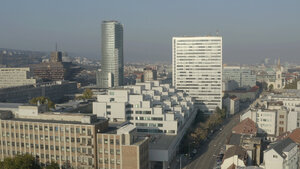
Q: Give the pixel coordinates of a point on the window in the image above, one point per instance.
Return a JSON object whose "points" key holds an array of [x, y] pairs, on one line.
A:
{"points": [[275, 156]]}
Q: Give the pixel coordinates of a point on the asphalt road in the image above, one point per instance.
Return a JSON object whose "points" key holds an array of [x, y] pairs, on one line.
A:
{"points": [[206, 157]]}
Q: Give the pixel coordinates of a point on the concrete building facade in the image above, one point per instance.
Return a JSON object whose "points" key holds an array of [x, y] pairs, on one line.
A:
{"points": [[12, 77], [81, 141], [151, 107], [197, 69]]}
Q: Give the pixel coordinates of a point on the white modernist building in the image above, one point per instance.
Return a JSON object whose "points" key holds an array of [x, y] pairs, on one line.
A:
{"points": [[266, 120], [155, 109], [151, 107], [11, 77], [197, 69]]}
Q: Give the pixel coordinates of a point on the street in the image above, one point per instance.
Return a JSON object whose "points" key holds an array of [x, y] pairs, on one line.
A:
{"points": [[206, 157]]}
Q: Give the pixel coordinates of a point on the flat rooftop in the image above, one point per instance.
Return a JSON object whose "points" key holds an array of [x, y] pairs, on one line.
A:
{"points": [[162, 142], [10, 105]]}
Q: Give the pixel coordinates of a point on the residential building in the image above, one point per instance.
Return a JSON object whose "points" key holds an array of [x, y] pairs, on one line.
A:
{"points": [[282, 154], [232, 105], [244, 135], [265, 119], [251, 144], [112, 61], [157, 110], [234, 157], [151, 107], [246, 126], [197, 69], [242, 76], [12, 77], [149, 74], [298, 85]]}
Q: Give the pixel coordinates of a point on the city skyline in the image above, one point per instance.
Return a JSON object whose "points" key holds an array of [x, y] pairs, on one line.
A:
{"points": [[252, 31]]}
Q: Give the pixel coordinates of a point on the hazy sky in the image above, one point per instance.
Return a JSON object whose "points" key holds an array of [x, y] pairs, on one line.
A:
{"points": [[251, 29]]}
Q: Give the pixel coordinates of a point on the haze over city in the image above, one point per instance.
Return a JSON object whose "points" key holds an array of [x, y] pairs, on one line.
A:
{"points": [[251, 30], [128, 84]]}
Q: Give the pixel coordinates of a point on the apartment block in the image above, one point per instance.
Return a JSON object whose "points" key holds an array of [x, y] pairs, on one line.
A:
{"points": [[152, 107], [12, 77], [232, 105], [242, 76], [197, 69]]}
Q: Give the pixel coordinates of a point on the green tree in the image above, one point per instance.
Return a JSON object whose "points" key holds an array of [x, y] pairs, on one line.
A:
{"points": [[20, 162], [52, 165], [87, 94], [271, 87], [42, 100]]}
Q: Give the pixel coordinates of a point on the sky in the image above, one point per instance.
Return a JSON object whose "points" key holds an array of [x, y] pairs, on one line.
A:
{"points": [[251, 30]]}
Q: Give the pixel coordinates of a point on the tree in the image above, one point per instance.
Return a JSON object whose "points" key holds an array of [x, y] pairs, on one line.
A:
{"points": [[87, 94], [271, 87], [42, 100], [52, 165], [221, 112], [26, 161]]}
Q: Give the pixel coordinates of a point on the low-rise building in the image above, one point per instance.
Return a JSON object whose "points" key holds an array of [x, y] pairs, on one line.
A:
{"points": [[232, 105], [157, 110], [234, 157], [281, 154], [151, 107], [265, 119]]}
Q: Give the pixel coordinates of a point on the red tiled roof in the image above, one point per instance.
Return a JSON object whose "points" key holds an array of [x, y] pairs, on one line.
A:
{"points": [[294, 135], [246, 126]]}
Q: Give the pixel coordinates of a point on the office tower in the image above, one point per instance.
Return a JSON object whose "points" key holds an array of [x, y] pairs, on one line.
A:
{"points": [[112, 66], [197, 70]]}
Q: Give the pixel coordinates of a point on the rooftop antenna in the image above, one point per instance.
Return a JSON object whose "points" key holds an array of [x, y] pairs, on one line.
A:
{"points": [[56, 46]]}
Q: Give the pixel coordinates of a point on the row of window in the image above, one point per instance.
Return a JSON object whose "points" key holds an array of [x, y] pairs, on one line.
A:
{"points": [[112, 141], [83, 159], [51, 138], [112, 161], [47, 147], [46, 128], [112, 151]]}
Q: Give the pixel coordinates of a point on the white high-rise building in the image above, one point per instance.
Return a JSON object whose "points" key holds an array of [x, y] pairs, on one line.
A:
{"points": [[197, 69]]}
